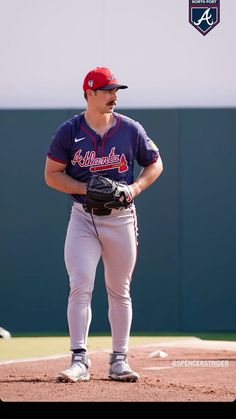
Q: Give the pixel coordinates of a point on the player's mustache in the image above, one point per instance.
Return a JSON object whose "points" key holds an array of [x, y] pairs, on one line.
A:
{"points": [[111, 103]]}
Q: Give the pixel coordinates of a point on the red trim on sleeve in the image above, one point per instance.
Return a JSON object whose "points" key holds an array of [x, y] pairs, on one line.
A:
{"points": [[153, 161], [50, 156]]}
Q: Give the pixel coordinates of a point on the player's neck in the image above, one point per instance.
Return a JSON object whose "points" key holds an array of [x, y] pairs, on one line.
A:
{"points": [[100, 123]]}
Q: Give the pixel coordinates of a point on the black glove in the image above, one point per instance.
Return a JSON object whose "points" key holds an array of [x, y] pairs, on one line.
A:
{"points": [[105, 193]]}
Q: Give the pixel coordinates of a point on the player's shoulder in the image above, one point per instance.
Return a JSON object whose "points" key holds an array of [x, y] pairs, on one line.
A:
{"points": [[67, 130], [129, 122], [71, 122]]}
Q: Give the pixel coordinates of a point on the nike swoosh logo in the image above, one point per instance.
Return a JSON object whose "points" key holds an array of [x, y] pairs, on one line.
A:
{"points": [[79, 139]]}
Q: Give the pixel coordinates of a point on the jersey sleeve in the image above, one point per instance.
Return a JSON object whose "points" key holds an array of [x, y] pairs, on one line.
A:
{"points": [[59, 149], [147, 151]]}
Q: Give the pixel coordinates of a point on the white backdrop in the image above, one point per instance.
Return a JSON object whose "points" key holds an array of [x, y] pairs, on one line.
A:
{"points": [[47, 47]]}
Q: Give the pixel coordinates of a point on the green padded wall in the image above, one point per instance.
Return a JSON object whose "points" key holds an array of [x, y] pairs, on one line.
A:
{"points": [[185, 275]]}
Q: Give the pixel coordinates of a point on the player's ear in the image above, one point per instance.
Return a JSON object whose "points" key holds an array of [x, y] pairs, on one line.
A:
{"points": [[90, 93]]}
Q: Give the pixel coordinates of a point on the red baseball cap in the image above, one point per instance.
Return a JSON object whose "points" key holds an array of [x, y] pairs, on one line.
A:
{"points": [[103, 79]]}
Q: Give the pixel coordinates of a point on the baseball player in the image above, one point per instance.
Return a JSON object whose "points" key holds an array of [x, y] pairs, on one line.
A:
{"points": [[98, 142]]}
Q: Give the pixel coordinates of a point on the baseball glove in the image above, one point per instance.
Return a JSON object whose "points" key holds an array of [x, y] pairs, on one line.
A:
{"points": [[105, 193]]}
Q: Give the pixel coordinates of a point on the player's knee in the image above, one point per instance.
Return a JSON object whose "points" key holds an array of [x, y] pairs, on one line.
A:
{"points": [[121, 295], [80, 288]]}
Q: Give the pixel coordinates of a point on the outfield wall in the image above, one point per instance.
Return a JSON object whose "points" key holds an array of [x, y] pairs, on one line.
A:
{"points": [[184, 279]]}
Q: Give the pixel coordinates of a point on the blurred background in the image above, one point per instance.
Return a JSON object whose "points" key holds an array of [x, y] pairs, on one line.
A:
{"points": [[182, 89]]}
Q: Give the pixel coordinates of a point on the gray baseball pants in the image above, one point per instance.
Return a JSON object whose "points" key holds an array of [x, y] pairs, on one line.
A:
{"points": [[116, 243]]}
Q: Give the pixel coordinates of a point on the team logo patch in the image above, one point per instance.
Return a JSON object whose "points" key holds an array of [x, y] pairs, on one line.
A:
{"points": [[204, 15]]}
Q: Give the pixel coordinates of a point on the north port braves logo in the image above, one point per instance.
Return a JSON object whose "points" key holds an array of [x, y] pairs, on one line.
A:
{"points": [[204, 15], [95, 164]]}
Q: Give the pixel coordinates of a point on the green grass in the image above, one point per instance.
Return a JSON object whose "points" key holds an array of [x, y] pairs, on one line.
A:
{"points": [[39, 346], [202, 335], [31, 347]]}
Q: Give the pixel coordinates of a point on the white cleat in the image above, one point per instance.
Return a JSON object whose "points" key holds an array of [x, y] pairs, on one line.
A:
{"points": [[120, 369], [78, 371]]}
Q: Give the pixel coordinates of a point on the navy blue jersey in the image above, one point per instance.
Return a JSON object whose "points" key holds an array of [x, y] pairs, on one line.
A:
{"points": [[113, 155]]}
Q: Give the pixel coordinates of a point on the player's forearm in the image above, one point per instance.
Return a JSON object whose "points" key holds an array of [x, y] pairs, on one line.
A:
{"points": [[146, 177], [65, 183]]}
